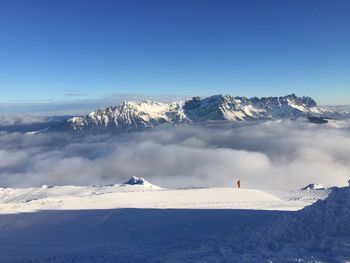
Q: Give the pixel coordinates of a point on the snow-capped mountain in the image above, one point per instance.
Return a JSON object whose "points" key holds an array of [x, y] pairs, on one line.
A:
{"points": [[139, 181], [144, 114]]}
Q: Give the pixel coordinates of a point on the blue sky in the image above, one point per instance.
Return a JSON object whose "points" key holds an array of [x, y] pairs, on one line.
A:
{"points": [[76, 50]]}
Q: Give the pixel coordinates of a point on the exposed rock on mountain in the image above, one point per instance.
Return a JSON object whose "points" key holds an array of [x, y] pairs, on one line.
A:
{"points": [[131, 116]]}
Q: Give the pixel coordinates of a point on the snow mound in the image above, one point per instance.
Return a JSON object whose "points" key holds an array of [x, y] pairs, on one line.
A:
{"points": [[140, 181], [317, 233], [314, 186]]}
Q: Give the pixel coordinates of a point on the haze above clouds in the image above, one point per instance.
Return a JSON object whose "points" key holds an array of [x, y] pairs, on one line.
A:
{"points": [[75, 106], [274, 155]]}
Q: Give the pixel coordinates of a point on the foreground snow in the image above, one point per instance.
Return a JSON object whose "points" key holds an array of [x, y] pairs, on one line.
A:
{"points": [[317, 233], [139, 223], [150, 196]]}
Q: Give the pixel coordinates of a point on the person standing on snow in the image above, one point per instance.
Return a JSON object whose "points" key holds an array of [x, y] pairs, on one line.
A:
{"points": [[239, 184]]}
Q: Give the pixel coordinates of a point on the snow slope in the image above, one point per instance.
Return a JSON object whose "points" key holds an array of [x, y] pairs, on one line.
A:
{"points": [[317, 233], [135, 223], [149, 196]]}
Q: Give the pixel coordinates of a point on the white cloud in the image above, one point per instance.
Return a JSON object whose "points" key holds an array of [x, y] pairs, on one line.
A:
{"points": [[9, 159], [286, 155]]}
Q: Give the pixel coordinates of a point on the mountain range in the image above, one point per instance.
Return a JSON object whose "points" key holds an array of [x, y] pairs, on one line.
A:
{"points": [[132, 115]]}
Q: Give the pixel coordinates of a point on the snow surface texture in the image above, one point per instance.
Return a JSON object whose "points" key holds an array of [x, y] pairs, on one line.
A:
{"points": [[140, 115], [318, 233], [149, 196], [136, 223]]}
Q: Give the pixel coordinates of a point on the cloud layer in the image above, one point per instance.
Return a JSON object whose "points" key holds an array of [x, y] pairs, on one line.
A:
{"points": [[267, 155]]}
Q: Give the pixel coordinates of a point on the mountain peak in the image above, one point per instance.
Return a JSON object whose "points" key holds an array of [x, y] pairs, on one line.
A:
{"points": [[140, 181]]}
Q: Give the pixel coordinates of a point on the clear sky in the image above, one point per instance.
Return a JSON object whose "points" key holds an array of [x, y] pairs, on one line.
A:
{"points": [[69, 49]]}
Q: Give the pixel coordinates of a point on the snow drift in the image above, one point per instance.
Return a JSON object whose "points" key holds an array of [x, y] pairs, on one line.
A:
{"points": [[317, 233]]}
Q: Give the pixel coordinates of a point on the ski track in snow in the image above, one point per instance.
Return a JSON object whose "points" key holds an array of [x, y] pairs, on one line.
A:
{"points": [[123, 223]]}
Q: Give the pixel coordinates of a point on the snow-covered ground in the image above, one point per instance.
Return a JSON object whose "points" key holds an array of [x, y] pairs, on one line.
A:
{"points": [[137, 223], [120, 196]]}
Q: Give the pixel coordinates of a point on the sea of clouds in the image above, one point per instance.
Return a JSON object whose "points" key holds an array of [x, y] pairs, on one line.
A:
{"points": [[266, 155]]}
